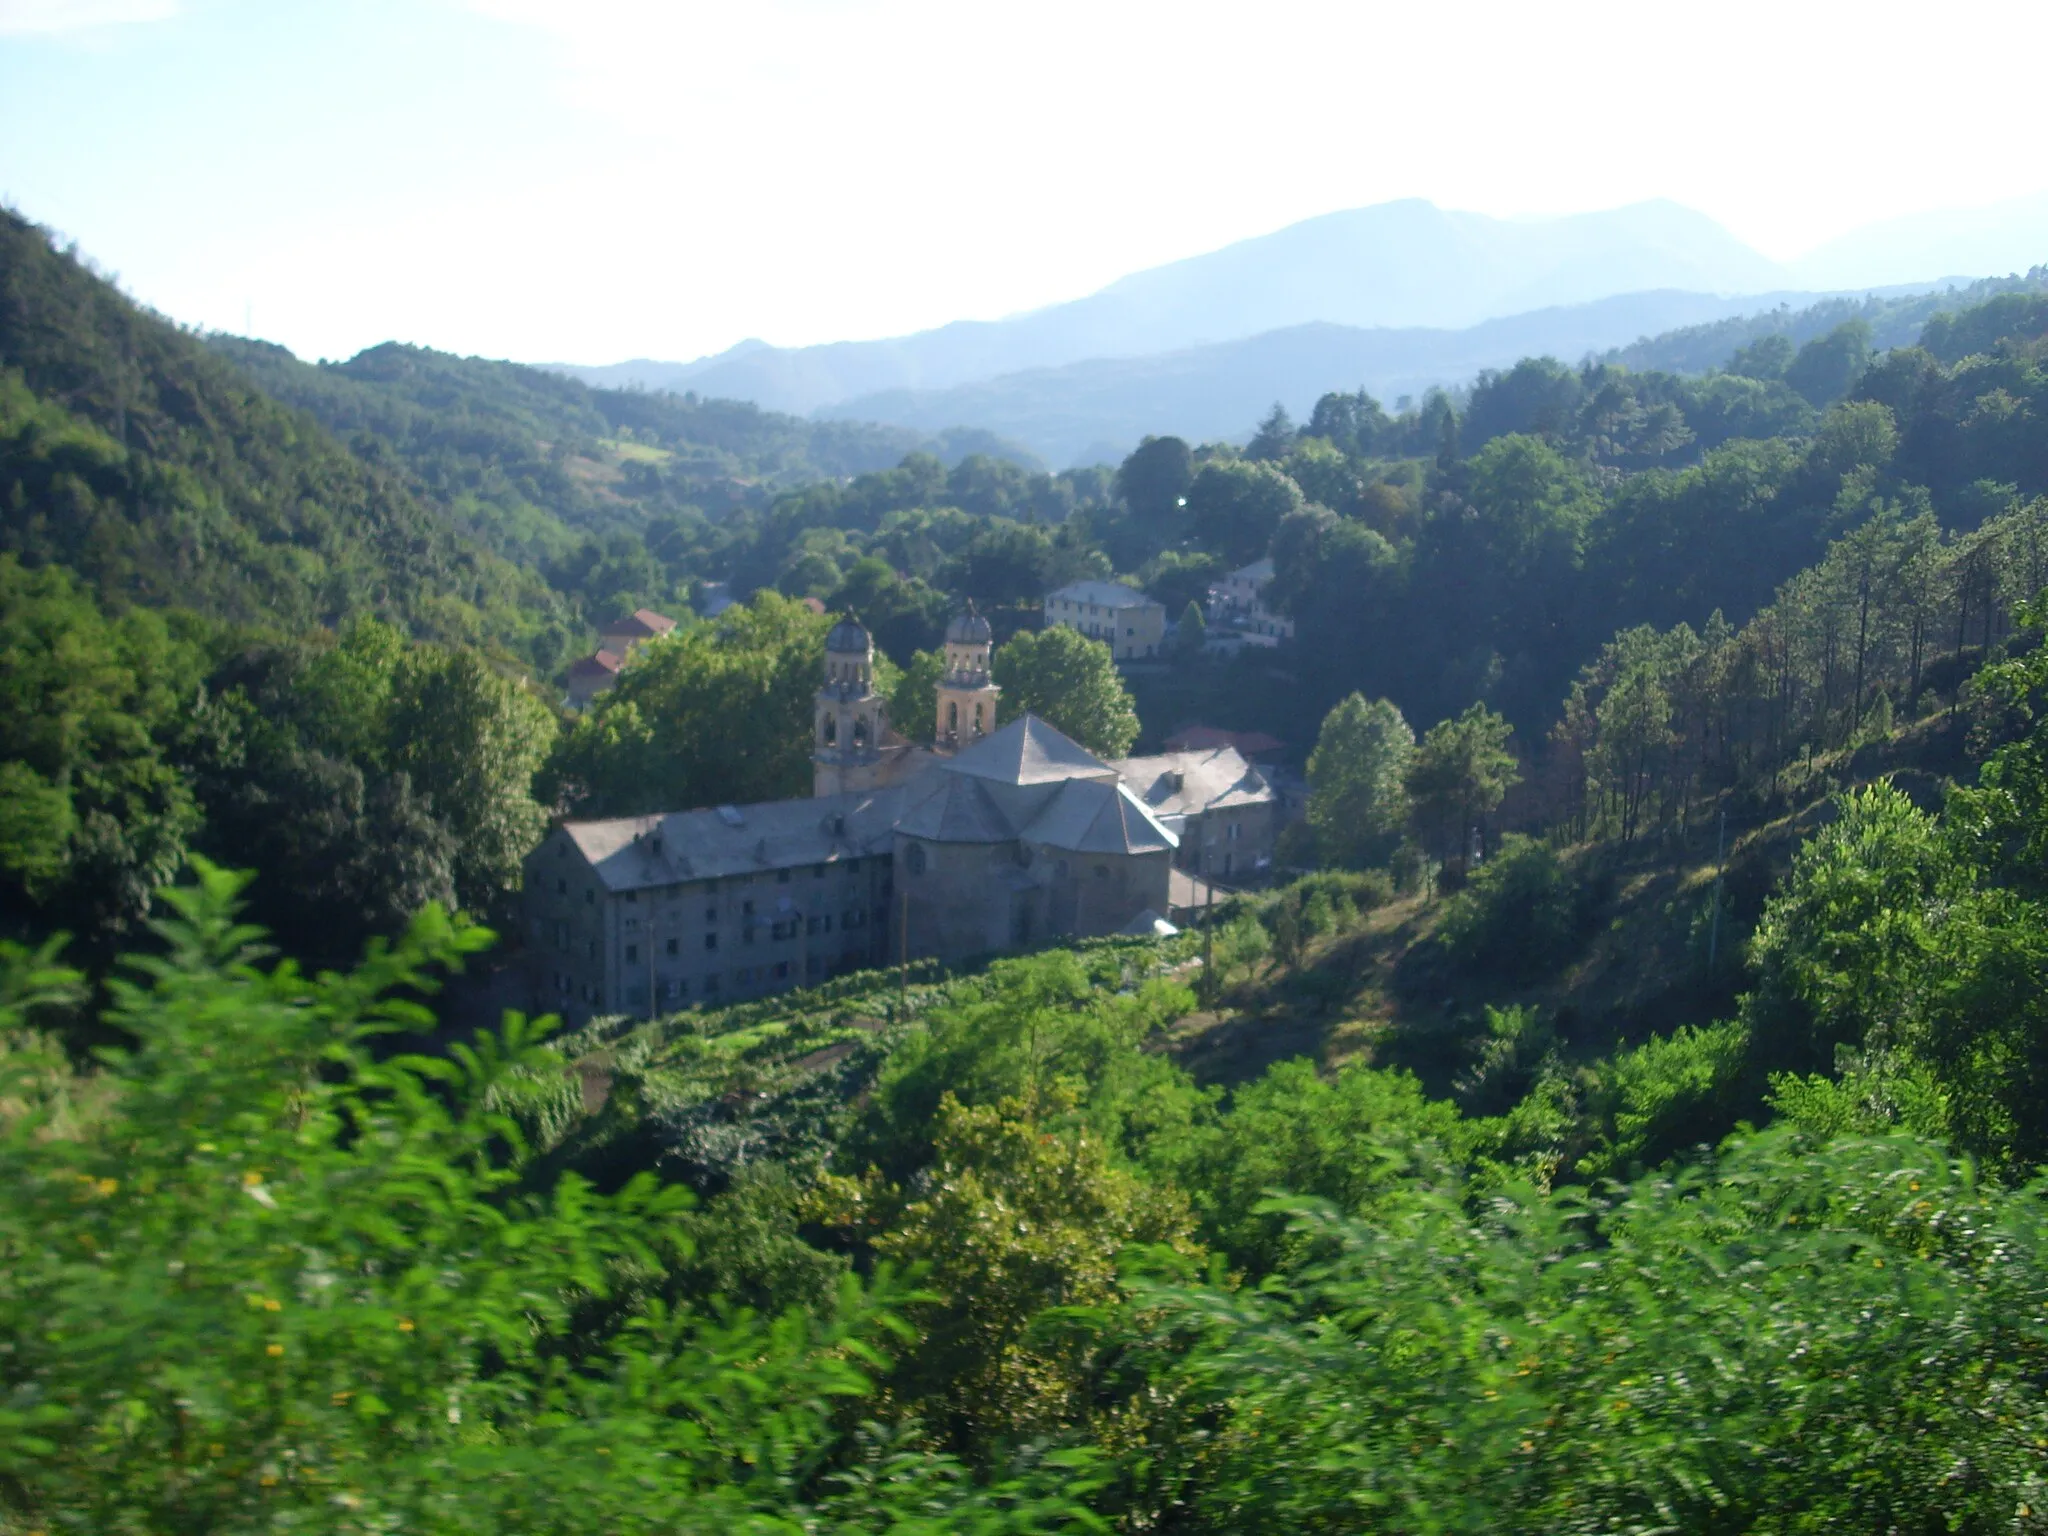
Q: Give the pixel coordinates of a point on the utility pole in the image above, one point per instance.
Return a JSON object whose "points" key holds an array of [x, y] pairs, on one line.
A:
{"points": [[903, 949], [1720, 868], [1209, 942]]}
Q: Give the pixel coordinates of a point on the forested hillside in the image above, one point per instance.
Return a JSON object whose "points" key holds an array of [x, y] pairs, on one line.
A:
{"points": [[132, 454], [1894, 320], [1624, 1112]]}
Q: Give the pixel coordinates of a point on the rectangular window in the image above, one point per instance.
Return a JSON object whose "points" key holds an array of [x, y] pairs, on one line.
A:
{"points": [[590, 897], [746, 909], [711, 914], [711, 986], [561, 885], [711, 941], [673, 945], [632, 953]]}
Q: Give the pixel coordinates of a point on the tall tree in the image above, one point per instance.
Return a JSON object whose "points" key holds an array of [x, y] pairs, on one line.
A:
{"points": [[1460, 772], [1071, 683], [1235, 508], [1155, 478], [472, 740], [715, 712], [1358, 796], [1275, 437]]}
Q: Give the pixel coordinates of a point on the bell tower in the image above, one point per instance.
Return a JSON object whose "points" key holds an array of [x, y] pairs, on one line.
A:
{"points": [[967, 694], [850, 719]]}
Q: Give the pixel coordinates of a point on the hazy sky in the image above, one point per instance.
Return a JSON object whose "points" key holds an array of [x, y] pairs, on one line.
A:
{"points": [[601, 179]]}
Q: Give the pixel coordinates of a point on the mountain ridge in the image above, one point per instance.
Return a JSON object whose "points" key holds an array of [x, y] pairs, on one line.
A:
{"points": [[1405, 262]]}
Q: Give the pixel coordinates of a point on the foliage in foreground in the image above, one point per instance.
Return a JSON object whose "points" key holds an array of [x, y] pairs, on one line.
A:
{"points": [[255, 1279]]}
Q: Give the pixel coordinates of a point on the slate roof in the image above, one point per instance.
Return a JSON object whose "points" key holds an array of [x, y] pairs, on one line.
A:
{"points": [[1089, 816], [1103, 594], [633, 852], [1028, 751], [956, 808], [849, 637], [1026, 782], [969, 628], [1195, 738], [1188, 783]]}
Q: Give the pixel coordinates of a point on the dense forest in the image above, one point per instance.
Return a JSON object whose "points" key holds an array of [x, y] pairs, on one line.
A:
{"points": [[1623, 1113]]}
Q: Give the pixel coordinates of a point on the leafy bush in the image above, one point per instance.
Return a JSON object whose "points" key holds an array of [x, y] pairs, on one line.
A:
{"points": [[1784, 1339], [254, 1279], [1519, 916]]}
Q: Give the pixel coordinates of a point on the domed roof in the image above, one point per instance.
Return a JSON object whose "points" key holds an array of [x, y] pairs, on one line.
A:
{"points": [[848, 638], [969, 628]]}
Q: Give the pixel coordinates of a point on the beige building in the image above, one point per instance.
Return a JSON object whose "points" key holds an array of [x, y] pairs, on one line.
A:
{"points": [[1131, 624], [1005, 839], [1238, 610]]}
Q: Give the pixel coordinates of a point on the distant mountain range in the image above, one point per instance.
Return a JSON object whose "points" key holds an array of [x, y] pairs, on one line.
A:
{"points": [[1095, 411], [1395, 264], [1394, 298]]}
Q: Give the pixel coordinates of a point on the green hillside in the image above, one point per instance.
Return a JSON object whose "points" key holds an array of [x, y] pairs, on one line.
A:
{"points": [[1894, 320], [537, 464], [1623, 1110], [134, 455]]}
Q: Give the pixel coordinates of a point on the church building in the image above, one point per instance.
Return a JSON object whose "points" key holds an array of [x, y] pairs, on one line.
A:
{"points": [[991, 839]]}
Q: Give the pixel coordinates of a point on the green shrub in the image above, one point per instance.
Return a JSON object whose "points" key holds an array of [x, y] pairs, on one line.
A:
{"points": [[1519, 916]]}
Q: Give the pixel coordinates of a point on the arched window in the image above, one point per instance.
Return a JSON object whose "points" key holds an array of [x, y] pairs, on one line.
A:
{"points": [[952, 715], [977, 719], [831, 731], [860, 733]]}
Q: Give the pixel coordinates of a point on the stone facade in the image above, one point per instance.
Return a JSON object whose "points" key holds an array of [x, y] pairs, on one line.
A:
{"points": [[1006, 841], [1223, 809], [967, 692]]}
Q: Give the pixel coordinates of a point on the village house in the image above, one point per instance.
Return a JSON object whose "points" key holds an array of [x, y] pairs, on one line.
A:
{"points": [[990, 839], [597, 673], [1238, 613], [1131, 624]]}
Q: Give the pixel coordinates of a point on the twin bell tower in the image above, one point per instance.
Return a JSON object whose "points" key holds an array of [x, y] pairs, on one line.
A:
{"points": [[854, 748]]}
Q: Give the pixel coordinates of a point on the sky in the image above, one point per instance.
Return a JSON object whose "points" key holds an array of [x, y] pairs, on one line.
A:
{"points": [[593, 180]]}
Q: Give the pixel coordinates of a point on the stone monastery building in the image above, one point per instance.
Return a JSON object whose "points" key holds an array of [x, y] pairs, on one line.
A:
{"points": [[988, 840]]}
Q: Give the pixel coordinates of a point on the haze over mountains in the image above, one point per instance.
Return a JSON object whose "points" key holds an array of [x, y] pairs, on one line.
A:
{"points": [[1395, 297]]}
